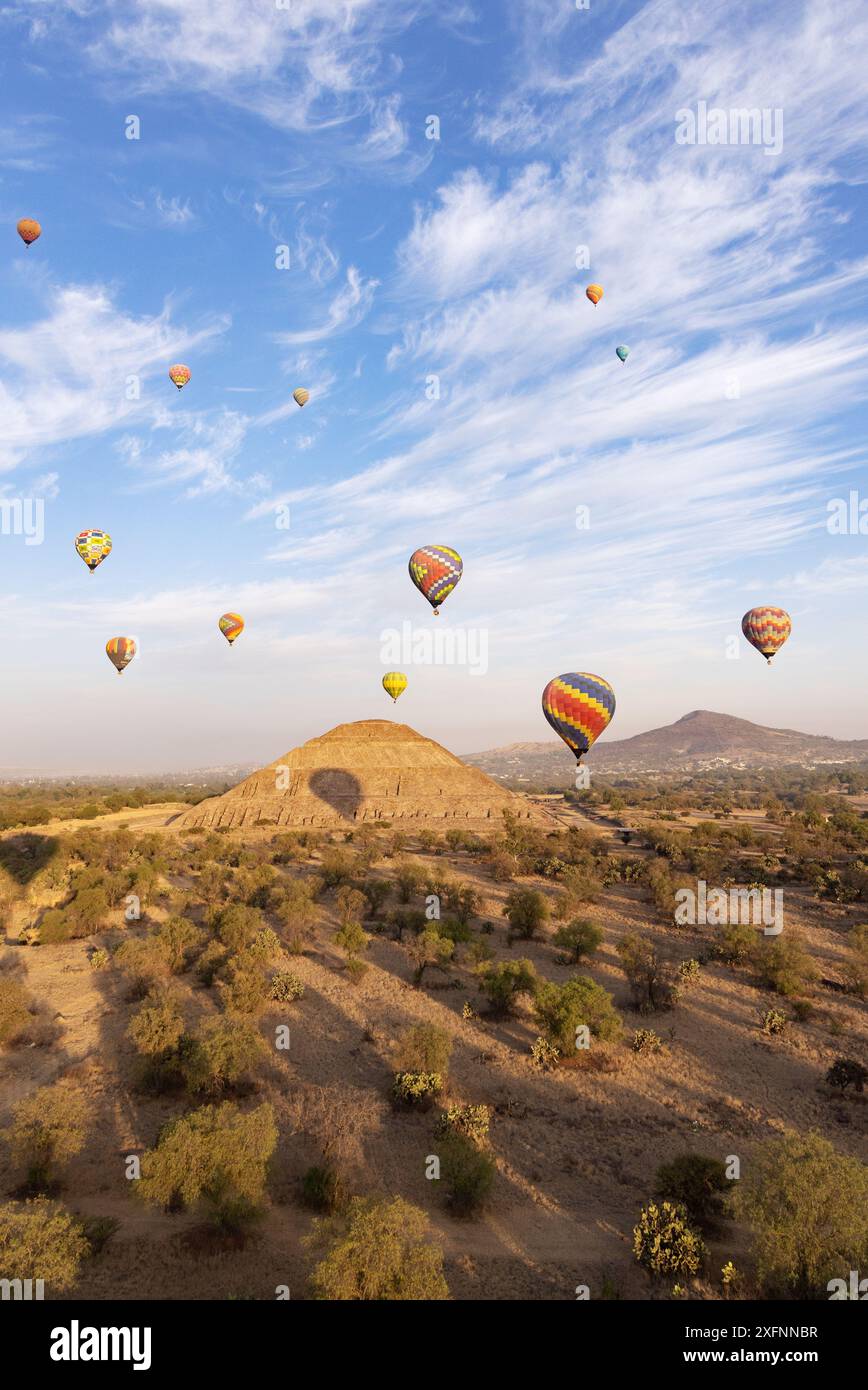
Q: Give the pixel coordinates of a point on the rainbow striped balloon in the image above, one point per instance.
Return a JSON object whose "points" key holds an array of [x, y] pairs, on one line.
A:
{"points": [[231, 625], [767, 629], [579, 707], [435, 570]]}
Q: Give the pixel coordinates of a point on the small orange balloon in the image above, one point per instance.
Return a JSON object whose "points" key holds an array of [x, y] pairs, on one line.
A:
{"points": [[594, 293], [180, 375], [28, 230]]}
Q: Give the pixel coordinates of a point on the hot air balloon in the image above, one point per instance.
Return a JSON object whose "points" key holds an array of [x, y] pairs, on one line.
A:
{"points": [[435, 570], [231, 625], [180, 375], [300, 396], [623, 353], [394, 684], [767, 629], [120, 652], [578, 706], [594, 293], [28, 230], [93, 547]]}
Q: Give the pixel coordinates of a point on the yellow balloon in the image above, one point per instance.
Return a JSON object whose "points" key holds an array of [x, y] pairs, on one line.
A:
{"points": [[231, 625], [394, 684], [300, 396]]}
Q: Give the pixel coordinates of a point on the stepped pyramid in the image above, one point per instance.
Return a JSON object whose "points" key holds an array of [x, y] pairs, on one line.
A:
{"points": [[370, 771]]}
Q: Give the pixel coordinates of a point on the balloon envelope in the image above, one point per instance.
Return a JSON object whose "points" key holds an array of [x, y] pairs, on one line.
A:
{"points": [[93, 547], [28, 230], [435, 570], [579, 706], [301, 396], [623, 353], [180, 375], [120, 652], [594, 293], [231, 625], [767, 629], [394, 683]]}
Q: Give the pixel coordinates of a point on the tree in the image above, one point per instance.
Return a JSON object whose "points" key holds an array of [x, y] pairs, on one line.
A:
{"points": [[217, 1156], [697, 1183], [48, 1128], [845, 1072], [180, 938], [408, 878], [353, 939], [351, 905], [237, 925], [578, 938], [807, 1206], [15, 1010], [527, 909], [377, 891], [39, 1239], [650, 974], [429, 948], [663, 1242], [377, 1250], [424, 1048], [562, 1009], [784, 965], [463, 900], [222, 1056], [503, 983]]}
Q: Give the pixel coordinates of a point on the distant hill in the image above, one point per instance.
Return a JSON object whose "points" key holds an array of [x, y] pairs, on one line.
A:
{"points": [[698, 741]]}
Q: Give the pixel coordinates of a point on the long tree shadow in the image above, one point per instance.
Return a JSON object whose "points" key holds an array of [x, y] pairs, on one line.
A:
{"points": [[22, 856], [339, 789]]}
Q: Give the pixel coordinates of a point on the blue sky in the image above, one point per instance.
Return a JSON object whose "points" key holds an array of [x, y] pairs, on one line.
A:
{"points": [[736, 276]]}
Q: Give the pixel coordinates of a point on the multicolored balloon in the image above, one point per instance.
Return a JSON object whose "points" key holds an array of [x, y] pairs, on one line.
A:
{"points": [[623, 353], [120, 652], [394, 684], [579, 707], [435, 570], [767, 629], [594, 293], [231, 625], [180, 375], [29, 230], [93, 547], [301, 396]]}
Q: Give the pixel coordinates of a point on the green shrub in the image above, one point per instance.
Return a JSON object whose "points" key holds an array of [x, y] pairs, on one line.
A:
{"points": [[527, 909], [223, 1055], [15, 1010], [773, 1022], [737, 942], [157, 1027], [697, 1183], [663, 1242], [561, 1009], [352, 939], [845, 1072], [237, 925], [503, 983], [48, 1129], [216, 1156], [39, 1239], [807, 1206], [211, 961], [646, 1041], [424, 1048], [578, 938], [429, 948], [377, 1250], [783, 964], [180, 939], [243, 984], [322, 1189], [468, 1173], [649, 973]]}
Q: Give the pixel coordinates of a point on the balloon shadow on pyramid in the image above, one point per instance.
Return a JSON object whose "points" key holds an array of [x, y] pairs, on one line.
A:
{"points": [[340, 789]]}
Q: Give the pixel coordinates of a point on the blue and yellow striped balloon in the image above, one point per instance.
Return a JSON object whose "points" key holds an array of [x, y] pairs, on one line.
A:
{"points": [[579, 707]]}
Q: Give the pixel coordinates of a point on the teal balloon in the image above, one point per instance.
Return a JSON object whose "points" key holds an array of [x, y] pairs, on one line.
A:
{"points": [[623, 353]]}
